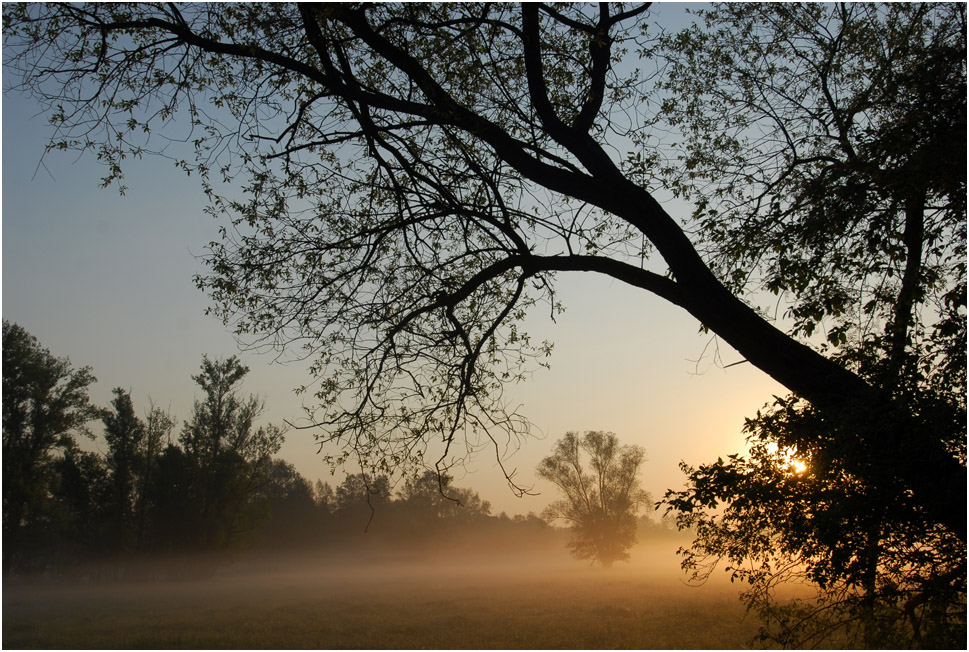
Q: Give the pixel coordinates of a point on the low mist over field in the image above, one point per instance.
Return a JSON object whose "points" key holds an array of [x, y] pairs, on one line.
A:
{"points": [[451, 596]]}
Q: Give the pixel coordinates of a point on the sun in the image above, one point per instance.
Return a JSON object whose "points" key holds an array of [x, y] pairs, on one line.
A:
{"points": [[795, 465]]}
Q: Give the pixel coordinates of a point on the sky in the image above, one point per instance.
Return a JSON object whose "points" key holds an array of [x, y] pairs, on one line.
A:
{"points": [[106, 280]]}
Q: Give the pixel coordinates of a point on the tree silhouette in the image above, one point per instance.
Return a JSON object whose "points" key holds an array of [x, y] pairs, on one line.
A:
{"points": [[159, 424], [230, 458], [430, 494], [45, 403], [602, 494], [851, 197], [416, 176], [124, 434]]}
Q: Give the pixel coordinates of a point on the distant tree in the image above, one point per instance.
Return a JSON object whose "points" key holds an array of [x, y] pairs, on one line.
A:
{"points": [[173, 516], [82, 524], [159, 425], [124, 434], [45, 403], [324, 496], [359, 489], [230, 458], [434, 494], [602, 493], [292, 515]]}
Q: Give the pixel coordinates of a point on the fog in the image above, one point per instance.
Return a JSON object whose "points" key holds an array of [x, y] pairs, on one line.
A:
{"points": [[526, 594]]}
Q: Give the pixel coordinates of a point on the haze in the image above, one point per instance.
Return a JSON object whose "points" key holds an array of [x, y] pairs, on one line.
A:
{"points": [[526, 596]]}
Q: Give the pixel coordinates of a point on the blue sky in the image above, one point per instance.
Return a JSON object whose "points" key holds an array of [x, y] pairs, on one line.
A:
{"points": [[107, 281]]}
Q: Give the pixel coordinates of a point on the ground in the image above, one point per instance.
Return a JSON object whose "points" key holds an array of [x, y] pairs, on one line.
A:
{"points": [[452, 600]]}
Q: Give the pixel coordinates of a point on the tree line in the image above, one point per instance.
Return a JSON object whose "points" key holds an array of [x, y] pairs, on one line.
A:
{"points": [[209, 486]]}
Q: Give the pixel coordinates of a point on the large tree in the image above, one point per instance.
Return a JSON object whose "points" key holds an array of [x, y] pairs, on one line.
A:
{"points": [[830, 140], [599, 478], [415, 177]]}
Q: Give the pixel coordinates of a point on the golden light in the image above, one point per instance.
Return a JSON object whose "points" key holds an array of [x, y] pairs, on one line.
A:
{"points": [[795, 465]]}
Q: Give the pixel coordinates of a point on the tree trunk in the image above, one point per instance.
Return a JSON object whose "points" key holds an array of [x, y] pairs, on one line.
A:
{"points": [[936, 478]]}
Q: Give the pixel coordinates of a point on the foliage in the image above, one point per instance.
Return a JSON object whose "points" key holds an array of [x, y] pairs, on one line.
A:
{"points": [[159, 424], [602, 495], [789, 512], [415, 176], [45, 403], [432, 494], [824, 148], [839, 164], [214, 489], [293, 513], [229, 459], [81, 524], [359, 489], [124, 434]]}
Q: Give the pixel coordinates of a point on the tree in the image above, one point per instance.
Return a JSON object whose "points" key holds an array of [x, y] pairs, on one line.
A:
{"points": [[359, 489], [789, 512], [81, 523], [843, 172], [45, 403], [418, 174], [293, 517], [158, 424], [174, 518], [325, 497], [432, 494], [602, 496], [124, 434], [230, 458]]}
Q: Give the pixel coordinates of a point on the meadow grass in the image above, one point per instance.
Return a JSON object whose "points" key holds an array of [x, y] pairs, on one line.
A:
{"points": [[447, 603]]}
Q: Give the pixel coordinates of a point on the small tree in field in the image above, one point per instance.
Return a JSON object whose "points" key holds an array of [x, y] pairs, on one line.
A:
{"points": [[600, 503]]}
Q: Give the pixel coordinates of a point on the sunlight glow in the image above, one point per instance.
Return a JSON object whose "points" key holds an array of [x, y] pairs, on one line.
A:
{"points": [[795, 465], [798, 466]]}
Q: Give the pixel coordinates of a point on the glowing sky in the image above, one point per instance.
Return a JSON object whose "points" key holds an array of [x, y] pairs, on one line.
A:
{"points": [[106, 281]]}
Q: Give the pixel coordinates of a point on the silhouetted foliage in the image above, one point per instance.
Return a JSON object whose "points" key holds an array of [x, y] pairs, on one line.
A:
{"points": [[415, 176], [293, 515], [173, 520], [159, 425], [81, 525], [124, 434], [229, 458], [789, 512], [602, 493], [154, 507], [45, 404], [851, 198]]}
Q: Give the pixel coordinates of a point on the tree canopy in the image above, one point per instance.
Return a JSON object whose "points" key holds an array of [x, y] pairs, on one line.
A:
{"points": [[414, 177], [830, 142]]}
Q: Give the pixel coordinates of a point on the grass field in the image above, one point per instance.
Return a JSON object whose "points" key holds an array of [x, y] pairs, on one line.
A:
{"points": [[467, 602]]}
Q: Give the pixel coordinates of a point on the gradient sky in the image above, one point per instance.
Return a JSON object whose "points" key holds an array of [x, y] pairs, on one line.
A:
{"points": [[107, 281]]}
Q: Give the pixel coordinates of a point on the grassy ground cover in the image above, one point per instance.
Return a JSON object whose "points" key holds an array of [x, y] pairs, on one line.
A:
{"points": [[468, 602]]}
